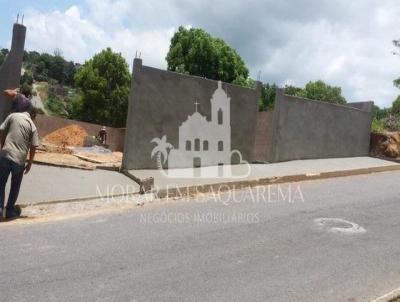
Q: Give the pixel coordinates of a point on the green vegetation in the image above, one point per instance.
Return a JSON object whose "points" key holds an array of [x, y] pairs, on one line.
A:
{"points": [[268, 93], [42, 89], [26, 89], [3, 54], [55, 105], [46, 68], [318, 90], [194, 51], [388, 119], [104, 83]]}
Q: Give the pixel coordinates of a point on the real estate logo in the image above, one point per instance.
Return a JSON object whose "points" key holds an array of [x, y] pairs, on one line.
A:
{"points": [[204, 148]]}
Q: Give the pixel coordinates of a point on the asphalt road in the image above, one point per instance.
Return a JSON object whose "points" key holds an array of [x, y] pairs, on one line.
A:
{"points": [[247, 247]]}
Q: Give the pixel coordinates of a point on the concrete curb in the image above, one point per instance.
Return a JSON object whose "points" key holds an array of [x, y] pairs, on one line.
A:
{"points": [[78, 199], [98, 167], [172, 192], [389, 296], [63, 166]]}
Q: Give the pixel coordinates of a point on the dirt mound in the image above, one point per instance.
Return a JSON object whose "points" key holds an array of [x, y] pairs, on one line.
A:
{"points": [[73, 135], [385, 144]]}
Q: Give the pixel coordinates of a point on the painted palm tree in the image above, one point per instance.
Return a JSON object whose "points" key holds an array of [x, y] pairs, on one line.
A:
{"points": [[161, 150]]}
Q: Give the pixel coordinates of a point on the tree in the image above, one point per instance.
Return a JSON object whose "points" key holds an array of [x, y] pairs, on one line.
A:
{"points": [[27, 78], [46, 67], [104, 83], [318, 90], [3, 53], [396, 43], [396, 106], [380, 113], [268, 93], [26, 89], [195, 52], [293, 90]]}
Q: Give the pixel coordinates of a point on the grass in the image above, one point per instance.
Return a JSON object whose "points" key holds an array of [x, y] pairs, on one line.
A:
{"points": [[395, 299], [42, 89]]}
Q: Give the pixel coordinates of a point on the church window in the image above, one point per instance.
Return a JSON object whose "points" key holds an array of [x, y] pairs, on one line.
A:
{"points": [[196, 144], [220, 117], [220, 146]]}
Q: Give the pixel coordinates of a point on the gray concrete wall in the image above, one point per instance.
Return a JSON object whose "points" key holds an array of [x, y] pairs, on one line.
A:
{"points": [[263, 137], [10, 70], [161, 101], [364, 106], [305, 129]]}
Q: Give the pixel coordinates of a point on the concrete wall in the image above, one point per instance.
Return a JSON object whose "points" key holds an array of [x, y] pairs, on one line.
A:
{"points": [[48, 124], [263, 137], [305, 129], [161, 101], [10, 70]]}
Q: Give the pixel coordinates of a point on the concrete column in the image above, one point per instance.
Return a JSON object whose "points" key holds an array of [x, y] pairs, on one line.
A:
{"points": [[130, 141], [10, 71]]}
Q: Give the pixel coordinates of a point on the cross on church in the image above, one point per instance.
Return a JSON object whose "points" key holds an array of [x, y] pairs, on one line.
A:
{"points": [[196, 103]]}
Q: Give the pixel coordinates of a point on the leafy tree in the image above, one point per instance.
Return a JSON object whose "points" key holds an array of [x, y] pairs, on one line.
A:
{"points": [[70, 71], [2, 57], [27, 78], [318, 90], [396, 106], [195, 52], [293, 90], [26, 89], [379, 113], [46, 67], [55, 105], [104, 83], [268, 93], [396, 43]]}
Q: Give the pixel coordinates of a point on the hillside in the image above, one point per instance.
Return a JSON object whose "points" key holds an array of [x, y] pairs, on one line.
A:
{"points": [[50, 78]]}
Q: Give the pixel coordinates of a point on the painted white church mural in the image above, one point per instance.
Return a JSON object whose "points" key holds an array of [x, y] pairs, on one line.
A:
{"points": [[202, 144]]}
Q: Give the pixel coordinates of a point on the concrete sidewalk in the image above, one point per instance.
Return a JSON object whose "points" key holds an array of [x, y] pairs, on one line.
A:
{"points": [[267, 173], [54, 184], [48, 184]]}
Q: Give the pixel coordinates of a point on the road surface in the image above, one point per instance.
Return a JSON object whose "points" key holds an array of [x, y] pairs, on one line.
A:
{"points": [[238, 248]]}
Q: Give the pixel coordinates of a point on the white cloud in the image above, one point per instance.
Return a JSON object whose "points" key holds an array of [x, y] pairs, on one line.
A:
{"points": [[291, 41], [80, 38]]}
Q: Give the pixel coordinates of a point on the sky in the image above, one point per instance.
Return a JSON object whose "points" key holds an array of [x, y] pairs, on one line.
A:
{"points": [[345, 43]]}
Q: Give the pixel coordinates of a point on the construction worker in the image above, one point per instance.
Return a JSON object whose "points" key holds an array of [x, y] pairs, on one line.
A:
{"points": [[18, 137], [20, 101], [102, 136]]}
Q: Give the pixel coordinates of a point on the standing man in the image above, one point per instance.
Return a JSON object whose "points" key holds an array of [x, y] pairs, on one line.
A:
{"points": [[20, 102], [102, 136], [18, 137]]}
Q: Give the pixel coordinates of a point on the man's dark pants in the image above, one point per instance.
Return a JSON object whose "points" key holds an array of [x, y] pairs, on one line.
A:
{"points": [[8, 167]]}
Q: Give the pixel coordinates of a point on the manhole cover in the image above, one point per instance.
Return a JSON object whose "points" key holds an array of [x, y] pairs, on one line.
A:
{"points": [[338, 225]]}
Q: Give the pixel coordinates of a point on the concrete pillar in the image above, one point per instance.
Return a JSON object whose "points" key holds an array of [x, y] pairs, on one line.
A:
{"points": [[10, 71], [130, 141]]}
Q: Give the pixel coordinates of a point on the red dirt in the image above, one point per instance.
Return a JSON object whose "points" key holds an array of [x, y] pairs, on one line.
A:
{"points": [[385, 144], [73, 135]]}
